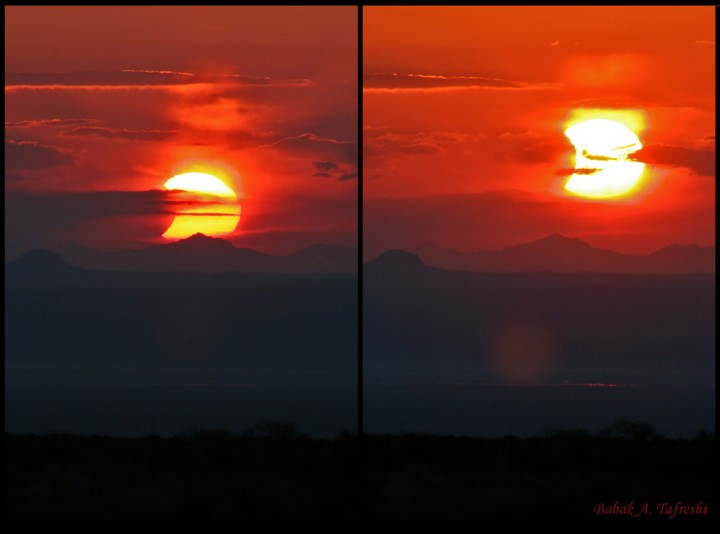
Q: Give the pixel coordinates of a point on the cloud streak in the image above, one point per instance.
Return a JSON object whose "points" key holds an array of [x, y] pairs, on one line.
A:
{"points": [[325, 166], [420, 83], [40, 123], [700, 161], [581, 171], [328, 169], [32, 155], [131, 77], [119, 133], [417, 149], [311, 144]]}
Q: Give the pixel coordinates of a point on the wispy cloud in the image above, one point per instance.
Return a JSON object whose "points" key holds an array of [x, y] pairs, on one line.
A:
{"points": [[328, 155], [325, 166], [163, 72], [32, 155], [701, 161], [305, 139], [138, 79], [583, 171], [380, 140], [417, 148], [40, 123], [119, 133], [329, 169], [418, 83]]}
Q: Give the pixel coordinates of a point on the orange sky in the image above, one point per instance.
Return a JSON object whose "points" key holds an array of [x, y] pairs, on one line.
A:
{"points": [[463, 118], [465, 108], [104, 104]]}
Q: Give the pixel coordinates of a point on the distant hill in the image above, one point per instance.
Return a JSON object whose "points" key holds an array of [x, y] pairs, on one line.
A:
{"points": [[400, 268], [48, 270], [683, 259], [40, 267], [560, 254], [397, 261], [200, 253], [39, 261]]}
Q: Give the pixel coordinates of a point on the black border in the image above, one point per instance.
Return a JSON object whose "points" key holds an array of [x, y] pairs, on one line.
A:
{"points": [[360, 485]]}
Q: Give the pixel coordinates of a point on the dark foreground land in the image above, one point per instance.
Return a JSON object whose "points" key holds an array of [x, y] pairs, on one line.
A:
{"points": [[279, 474], [556, 479], [209, 475]]}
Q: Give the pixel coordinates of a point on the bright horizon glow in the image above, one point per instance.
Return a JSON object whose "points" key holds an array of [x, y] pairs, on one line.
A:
{"points": [[211, 218], [602, 169]]}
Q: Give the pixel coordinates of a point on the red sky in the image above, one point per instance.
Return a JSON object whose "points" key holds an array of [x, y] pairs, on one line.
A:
{"points": [[464, 110], [104, 104]]}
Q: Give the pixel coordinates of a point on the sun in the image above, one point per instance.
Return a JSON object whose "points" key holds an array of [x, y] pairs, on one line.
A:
{"points": [[602, 168], [200, 182], [217, 210]]}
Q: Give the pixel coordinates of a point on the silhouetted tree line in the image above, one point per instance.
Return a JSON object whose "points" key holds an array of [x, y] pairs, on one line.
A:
{"points": [[559, 477], [270, 472], [274, 471]]}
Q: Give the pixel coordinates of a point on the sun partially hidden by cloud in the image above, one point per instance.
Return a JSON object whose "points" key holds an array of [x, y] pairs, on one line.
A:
{"points": [[262, 92], [464, 120], [218, 212], [602, 167]]}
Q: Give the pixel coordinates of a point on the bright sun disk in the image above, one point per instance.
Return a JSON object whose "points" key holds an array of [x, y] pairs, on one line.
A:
{"points": [[602, 167], [218, 213]]}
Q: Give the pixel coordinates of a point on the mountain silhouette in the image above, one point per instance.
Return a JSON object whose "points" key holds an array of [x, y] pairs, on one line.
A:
{"points": [[200, 253], [557, 253], [38, 266], [397, 261], [201, 243], [41, 261], [684, 258], [400, 268]]}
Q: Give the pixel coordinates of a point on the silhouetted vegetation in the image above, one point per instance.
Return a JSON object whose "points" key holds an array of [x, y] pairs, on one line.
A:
{"points": [[210, 474], [633, 430], [556, 478], [274, 472], [278, 430]]}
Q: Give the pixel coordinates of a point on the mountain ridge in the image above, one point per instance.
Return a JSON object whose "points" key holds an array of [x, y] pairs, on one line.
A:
{"points": [[558, 253], [201, 253]]}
